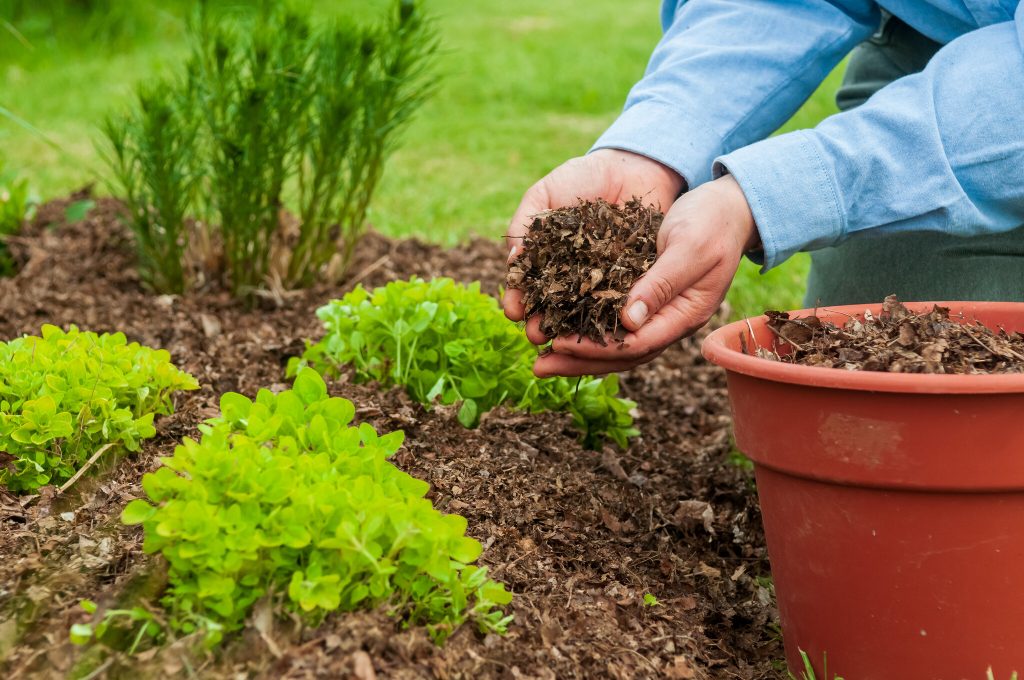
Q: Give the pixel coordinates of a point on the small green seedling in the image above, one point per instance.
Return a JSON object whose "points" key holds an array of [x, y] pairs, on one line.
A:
{"points": [[651, 601], [809, 674], [16, 205], [808, 671], [78, 210], [991, 676], [142, 625], [449, 343]]}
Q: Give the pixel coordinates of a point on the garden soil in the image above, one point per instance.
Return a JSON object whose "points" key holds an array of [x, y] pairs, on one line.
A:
{"points": [[579, 536]]}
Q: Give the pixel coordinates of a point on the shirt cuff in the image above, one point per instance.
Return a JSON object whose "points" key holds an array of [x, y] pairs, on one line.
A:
{"points": [[667, 134], [792, 194]]}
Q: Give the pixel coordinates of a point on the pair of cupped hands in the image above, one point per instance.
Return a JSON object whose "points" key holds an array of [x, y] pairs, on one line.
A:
{"points": [[700, 243]]}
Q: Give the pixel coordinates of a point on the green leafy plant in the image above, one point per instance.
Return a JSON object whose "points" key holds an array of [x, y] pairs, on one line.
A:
{"points": [[282, 497], [66, 395], [141, 625], [16, 205], [450, 343], [651, 601], [288, 126]]}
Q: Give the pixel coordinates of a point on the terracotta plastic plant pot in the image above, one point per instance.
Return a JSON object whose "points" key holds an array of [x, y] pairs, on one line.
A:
{"points": [[893, 506]]}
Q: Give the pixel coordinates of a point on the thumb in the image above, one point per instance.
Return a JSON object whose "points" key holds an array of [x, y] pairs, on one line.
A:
{"points": [[675, 270]]}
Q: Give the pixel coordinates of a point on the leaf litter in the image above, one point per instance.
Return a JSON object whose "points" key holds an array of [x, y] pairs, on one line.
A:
{"points": [[897, 340], [579, 262]]}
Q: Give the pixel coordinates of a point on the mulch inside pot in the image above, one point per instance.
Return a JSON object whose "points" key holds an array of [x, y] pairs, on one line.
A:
{"points": [[579, 536], [896, 341], [578, 264]]}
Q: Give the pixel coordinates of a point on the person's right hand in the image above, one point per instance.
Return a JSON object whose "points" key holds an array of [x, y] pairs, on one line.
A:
{"points": [[616, 176]]}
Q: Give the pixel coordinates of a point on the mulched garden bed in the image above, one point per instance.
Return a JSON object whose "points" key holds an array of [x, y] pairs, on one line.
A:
{"points": [[578, 536]]}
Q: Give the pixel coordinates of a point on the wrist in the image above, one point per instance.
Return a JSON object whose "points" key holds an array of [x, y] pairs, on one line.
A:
{"points": [[668, 180], [739, 217]]}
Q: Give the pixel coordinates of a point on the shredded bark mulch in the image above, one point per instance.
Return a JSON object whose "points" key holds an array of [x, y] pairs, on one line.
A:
{"points": [[578, 264], [579, 536], [896, 341]]}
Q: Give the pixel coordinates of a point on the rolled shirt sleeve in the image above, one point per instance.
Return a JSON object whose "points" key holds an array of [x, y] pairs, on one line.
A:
{"points": [[941, 150], [727, 73]]}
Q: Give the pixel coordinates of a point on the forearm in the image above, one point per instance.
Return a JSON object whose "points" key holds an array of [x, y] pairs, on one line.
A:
{"points": [[942, 150], [726, 74]]}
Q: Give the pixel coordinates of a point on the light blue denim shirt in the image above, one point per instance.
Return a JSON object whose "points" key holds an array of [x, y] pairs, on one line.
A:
{"points": [[942, 150]]}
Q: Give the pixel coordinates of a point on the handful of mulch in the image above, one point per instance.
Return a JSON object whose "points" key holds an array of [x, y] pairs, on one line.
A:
{"points": [[896, 341], [578, 264]]}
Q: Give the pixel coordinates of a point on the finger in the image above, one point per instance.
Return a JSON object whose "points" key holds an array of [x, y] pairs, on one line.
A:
{"points": [[533, 332], [681, 317], [574, 345], [512, 303], [683, 262], [569, 366]]}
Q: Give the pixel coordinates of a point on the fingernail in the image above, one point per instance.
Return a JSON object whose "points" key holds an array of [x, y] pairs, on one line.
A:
{"points": [[512, 253], [637, 312]]}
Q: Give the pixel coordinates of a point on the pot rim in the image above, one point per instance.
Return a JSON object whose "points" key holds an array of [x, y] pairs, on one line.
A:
{"points": [[715, 349]]}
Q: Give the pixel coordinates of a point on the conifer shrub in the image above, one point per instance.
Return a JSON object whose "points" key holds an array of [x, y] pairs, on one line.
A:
{"points": [[257, 163]]}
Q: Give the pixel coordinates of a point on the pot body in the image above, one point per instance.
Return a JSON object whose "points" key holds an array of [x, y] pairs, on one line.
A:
{"points": [[893, 507]]}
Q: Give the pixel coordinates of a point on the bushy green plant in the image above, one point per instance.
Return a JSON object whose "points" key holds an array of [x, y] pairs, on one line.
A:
{"points": [[253, 88], [283, 497], [63, 395], [280, 119], [15, 207], [366, 85], [151, 160], [450, 343]]}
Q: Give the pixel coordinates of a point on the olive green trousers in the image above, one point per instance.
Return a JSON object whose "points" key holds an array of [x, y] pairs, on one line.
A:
{"points": [[914, 265]]}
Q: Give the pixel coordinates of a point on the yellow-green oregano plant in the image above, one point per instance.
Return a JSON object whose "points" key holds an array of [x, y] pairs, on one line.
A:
{"points": [[65, 395], [448, 342], [283, 497]]}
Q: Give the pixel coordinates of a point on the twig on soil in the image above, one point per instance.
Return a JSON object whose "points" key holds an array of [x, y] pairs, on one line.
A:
{"points": [[976, 339], [81, 471], [100, 670], [753, 338], [836, 311], [366, 271], [796, 345]]}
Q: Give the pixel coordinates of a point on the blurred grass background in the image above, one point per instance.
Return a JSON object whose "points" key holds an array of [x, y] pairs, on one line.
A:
{"points": [[525, 85]]}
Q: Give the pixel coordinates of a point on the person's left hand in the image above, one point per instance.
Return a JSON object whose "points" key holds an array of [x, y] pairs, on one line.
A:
{"points": [[700, 243]]}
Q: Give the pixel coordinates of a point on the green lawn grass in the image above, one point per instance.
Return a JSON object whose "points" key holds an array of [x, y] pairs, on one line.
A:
{"points": [[526, 85]]}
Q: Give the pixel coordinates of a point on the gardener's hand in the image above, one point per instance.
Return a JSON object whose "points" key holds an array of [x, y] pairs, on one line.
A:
{"points": [[700, 243], [616, 176]]}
